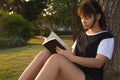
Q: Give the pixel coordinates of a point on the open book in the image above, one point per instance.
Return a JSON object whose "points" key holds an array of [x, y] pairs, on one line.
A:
{"points": [[53, 41]]}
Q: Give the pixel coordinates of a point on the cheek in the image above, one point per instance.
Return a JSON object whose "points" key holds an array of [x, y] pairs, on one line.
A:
{"points": [[90, 22]]}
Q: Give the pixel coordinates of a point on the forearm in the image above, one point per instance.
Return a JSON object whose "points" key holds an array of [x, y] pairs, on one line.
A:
{"points": [[96, 62], [88, 62]]}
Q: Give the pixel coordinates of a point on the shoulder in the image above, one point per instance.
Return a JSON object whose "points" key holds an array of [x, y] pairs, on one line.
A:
{"points": [[106, 35], [80, 35]]}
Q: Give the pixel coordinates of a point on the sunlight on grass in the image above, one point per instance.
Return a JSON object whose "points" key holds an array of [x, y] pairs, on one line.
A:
{"points": [[66, 39], [35, 41], [13, 61]]}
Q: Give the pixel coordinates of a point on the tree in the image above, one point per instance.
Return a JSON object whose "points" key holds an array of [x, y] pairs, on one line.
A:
{"points": [[62, 12], [28, 9], [32, 8], [5, 4], [74, 19], [15, 25], [65, 15], [111, 10], [2, 3]]}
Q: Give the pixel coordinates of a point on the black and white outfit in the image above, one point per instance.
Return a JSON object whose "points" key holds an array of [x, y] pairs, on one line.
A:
{"points": [[89, 45]]}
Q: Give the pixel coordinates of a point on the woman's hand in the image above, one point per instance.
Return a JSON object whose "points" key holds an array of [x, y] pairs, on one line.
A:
{"points": [[66, 53]]}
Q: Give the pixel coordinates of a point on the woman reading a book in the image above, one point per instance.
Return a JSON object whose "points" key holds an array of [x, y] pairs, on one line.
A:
{"points": [[87, 59]]}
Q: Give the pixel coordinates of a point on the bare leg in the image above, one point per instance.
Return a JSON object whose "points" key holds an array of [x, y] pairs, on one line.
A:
{"points": [[35, 66], [58, 64], [59, 77]]}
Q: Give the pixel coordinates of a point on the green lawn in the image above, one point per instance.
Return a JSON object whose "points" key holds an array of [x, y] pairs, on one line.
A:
{"points": [[14, 61]]}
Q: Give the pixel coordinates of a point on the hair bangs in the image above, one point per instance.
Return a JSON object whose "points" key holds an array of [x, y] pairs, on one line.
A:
{"points": [[86, 10]]}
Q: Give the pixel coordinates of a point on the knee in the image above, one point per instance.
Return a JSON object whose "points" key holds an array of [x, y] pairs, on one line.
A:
{"points": [[43, 53], [42, 56], [56, 58]]}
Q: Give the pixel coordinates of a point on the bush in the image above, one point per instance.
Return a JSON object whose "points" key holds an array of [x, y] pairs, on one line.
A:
{"points": [[64, 32], [15, 25], [10, 42], [2, 13]]}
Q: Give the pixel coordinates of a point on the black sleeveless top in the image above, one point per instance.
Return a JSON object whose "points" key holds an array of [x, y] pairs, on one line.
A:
{"points": [[87, 47]]}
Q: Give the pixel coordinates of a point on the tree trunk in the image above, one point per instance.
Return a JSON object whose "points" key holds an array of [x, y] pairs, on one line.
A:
{"points": [[111, 10], [74, 27]]}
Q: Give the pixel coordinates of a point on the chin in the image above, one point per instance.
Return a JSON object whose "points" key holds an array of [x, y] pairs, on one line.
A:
{"points": [[86, 28]]}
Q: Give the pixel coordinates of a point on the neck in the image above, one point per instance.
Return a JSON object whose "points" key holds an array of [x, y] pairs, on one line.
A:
{"points": [[96, 28]]}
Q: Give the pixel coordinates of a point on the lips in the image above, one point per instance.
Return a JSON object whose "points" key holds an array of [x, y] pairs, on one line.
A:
{"points": [[85, 25]]}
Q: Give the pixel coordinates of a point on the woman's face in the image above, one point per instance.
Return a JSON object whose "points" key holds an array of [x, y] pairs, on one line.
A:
{"points": [[87, 21]]}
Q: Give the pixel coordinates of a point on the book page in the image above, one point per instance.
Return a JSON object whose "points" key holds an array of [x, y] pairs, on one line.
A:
{"points": [[52, 36]]}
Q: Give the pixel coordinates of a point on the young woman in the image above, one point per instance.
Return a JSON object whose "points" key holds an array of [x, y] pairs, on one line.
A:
{"points": [[90, 51]]}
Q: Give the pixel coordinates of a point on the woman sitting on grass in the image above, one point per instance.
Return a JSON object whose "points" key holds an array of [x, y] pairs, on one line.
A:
{"points": [[90, 51]]}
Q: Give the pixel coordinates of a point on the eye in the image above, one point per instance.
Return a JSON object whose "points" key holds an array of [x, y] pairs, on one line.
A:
{"points": [[87, 17]]}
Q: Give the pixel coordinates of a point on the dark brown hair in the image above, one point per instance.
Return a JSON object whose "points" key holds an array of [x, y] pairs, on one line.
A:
{"points": [[92, 7]]}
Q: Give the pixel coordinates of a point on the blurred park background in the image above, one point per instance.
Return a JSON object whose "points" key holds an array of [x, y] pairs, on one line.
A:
{"points": [[22, 20]]}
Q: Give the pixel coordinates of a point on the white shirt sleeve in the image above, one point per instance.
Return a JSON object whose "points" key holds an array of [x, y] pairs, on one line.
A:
{"points": [[106, 47], [74, 45]]}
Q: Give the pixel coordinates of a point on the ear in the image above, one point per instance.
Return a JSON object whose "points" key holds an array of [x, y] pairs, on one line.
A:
{"points": [[98, 17]]}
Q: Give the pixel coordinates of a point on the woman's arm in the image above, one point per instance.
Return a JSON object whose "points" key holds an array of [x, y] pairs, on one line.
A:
{"points": [[105, 50], [96, 62]]}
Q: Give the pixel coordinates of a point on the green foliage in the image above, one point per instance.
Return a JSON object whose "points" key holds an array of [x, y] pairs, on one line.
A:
{"points": [[15, 25], [44, 32], [32, 8], [62, 16], [10, 42], [2, 13], [64, 32], [28, 9]]}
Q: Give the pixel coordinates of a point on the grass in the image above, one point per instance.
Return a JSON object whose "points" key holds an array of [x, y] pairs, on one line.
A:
{"points": [[13, 61]]}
